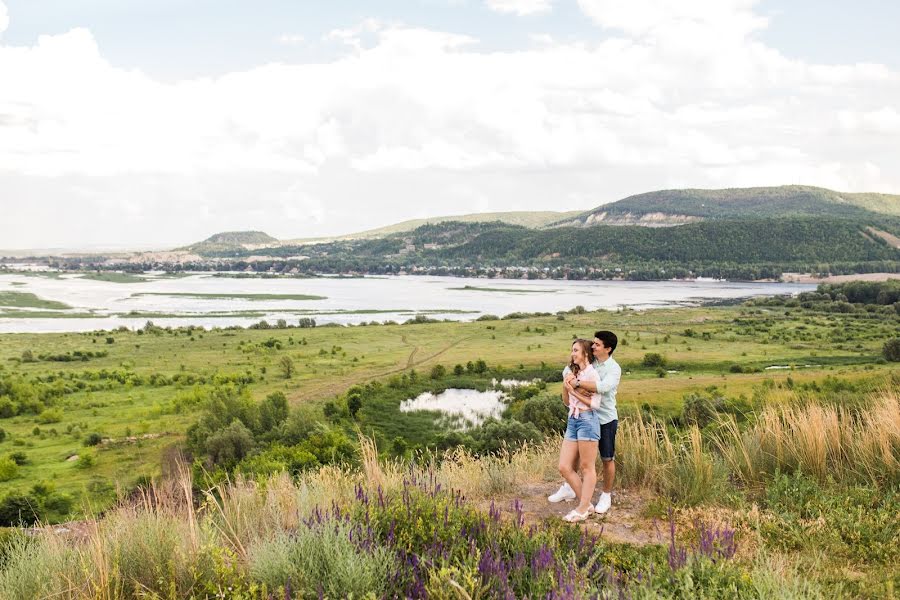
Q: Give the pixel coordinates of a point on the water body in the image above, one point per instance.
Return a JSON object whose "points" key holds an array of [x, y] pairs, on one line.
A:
{"points": [[463, 409], [202, 299]]}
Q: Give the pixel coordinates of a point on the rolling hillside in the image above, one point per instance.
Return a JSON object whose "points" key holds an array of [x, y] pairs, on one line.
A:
{"points": [[678, 207]]}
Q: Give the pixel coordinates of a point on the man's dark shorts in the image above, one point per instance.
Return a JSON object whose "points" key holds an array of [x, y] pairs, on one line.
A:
{"points": [[608, 440]]}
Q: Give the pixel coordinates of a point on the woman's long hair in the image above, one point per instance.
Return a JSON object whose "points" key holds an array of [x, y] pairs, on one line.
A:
{"points": [[588, 352]]}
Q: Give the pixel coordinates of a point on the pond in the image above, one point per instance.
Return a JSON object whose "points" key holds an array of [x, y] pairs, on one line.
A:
{"points": [[462, 408]]}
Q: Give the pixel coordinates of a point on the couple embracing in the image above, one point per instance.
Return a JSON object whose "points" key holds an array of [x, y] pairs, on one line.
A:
{"points": [[590, 382]]}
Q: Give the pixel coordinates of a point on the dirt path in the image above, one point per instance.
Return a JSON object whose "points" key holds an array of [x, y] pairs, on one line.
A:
{"points": [[624, 523]]}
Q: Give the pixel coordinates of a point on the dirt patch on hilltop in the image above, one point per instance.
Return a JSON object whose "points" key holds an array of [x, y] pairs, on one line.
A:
{"points": [[624, 523]]}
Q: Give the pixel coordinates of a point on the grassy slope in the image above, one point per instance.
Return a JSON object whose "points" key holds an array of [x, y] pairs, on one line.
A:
{"points": [[754, 203]]}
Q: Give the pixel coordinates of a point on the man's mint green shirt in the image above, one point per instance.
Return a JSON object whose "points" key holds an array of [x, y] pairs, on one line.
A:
{"points": [[609, 373]]}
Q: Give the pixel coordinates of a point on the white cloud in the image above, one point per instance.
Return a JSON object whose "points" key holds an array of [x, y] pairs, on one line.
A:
{"points": [[291, 39], [412, 120], [4, 18], [732, 19], [520, 7]]}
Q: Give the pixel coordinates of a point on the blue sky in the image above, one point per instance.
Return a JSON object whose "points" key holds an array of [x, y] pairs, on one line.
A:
{"points": [[174, 39], [158, 123]]}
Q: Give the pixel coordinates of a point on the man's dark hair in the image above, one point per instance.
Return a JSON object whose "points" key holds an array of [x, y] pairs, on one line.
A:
{"points": [[609, 340]]}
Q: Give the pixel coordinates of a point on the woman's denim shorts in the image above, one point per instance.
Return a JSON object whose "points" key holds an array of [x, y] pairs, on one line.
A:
{"points": [[586, 428]]}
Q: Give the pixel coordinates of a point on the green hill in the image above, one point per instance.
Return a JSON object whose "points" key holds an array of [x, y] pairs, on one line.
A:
{"points": [[230, 241], [677, 207], [530, 219]]}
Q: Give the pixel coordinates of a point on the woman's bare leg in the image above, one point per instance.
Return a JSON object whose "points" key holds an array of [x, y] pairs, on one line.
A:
{"points": [[568, 460], [587, 461]]}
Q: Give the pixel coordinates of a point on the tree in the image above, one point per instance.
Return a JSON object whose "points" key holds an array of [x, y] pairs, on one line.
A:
{"points": [[438, 372], [273, 410], [17, 509], [354, 400], [654, 359], [891, 350], [458, 370], [287, 366], [229, 445]]}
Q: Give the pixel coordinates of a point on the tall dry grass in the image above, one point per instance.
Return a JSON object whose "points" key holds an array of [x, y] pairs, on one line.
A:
{"points": [[163, 546], [825, 442]]}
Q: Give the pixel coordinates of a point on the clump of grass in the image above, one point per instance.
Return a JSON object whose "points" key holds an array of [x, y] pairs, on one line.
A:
{"points": [[825, 442]]}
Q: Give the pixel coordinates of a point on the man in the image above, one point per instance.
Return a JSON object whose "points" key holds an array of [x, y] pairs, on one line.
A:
{"points": [[610, 374]]}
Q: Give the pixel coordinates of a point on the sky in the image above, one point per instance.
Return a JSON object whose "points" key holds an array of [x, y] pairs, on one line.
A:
{"points": [[136, 123]]}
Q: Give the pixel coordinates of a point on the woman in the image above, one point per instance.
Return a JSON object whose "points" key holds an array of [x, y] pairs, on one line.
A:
{"points": [[580, 444]]}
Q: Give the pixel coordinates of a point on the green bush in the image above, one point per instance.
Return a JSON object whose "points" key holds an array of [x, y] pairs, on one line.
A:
{"points": [[546, 412], [323, 560], [17, 509], [93, 439], [493, 436], [51, 415], [438, 372], [229, 445], [891, 350], [8, 469], [653, 360]]}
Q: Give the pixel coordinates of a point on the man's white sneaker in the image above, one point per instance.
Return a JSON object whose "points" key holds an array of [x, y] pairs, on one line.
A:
{"points": [[564, 493], [603, 503]]}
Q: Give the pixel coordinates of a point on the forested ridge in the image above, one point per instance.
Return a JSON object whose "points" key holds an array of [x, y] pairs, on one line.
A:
{"points": [[784, 201]]}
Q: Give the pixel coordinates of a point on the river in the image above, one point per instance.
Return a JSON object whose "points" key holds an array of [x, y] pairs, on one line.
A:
{"points": [[202, 299]]}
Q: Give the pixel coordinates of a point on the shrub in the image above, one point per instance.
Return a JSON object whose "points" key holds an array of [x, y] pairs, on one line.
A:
{"points": [[86, 460], [93, 439], [8, 469], [323, 560], [2, 435], [546, 412], [229, 445], [494, 436], [457, 370], [891, 350], [20, 458], [653, 360], [306, 323], [50, 415], [287, 366], [17, 509], [699, 409], [438, 372]]}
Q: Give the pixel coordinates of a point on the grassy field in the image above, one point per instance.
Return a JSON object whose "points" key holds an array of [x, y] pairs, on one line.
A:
{"points": [[700, 348], [29, 300], [234, 296], [113, 277]]}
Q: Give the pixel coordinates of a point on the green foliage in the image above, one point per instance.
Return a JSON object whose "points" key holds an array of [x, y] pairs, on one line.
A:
{"points": [[843, 524], [287, 366], [228, 446], [93, 439], [279, 459], [17, 509], [653, 360], [891, 350], [9, 469], [323, 560], [546, 412], [438, 372], [51, 415], [273, 411], [493, 436]]}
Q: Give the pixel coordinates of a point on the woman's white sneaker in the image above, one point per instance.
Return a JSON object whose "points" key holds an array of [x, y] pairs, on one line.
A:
{"points": [[564, 493]]}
